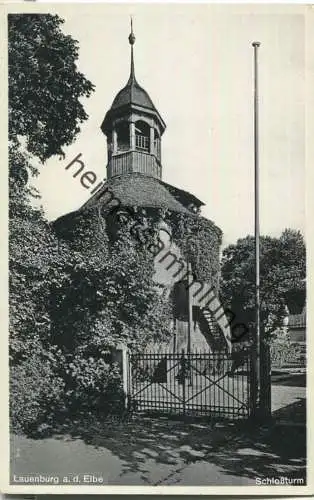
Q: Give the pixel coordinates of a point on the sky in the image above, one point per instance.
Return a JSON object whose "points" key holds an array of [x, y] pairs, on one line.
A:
{"points": [[196, 63]]}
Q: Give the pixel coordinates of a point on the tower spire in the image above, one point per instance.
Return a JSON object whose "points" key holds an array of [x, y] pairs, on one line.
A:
{"points": [[132, 42], [140, 144]]}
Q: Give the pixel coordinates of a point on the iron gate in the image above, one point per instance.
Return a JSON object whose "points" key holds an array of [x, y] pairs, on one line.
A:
{"points": [[190, 384]]}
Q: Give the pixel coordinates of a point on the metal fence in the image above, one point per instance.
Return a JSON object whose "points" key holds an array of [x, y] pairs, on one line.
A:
{"points": [[190, 384]]}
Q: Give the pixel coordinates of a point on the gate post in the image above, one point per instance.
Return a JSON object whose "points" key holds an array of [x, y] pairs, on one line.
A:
{"points": [[252, 357], [183, 367], [120, 356], [265, 394], [261, 392]]}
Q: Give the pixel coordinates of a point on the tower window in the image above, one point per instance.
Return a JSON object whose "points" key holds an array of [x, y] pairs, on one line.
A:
{"points": [[142, 136], [123, 136]]}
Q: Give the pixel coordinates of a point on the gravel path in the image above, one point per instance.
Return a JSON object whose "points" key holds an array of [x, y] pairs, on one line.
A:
{"points": [[159, 451]]}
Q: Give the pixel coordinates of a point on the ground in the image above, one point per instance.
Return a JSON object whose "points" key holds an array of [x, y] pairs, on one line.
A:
{"points": [[159, 451]]}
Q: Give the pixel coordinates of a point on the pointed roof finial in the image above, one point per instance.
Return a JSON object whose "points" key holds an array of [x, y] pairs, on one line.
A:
{"points": [[132, 42], [131, 35]]}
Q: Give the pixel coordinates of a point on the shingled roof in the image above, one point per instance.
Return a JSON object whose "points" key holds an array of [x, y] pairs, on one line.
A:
{"points": [[138, 190], [130, 97], [133, 93], [131, 190], [184, 197]]}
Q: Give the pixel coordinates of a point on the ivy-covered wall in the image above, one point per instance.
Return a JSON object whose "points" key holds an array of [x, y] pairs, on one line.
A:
{"points": [[97, 233], [198, 238]]}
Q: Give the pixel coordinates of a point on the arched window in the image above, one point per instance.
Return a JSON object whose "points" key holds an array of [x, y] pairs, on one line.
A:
{"points": [[123, 136], [142, 134]]}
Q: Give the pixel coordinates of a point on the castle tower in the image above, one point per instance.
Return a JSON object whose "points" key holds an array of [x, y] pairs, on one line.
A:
{"points": [[134, 186], [133, 128]]}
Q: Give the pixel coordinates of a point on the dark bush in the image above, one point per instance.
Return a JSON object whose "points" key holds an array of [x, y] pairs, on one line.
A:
{"points": [[94, 386], [36, 395], [286, 354], [41, 400]]}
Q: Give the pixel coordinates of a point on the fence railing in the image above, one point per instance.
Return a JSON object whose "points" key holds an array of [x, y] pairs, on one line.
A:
{"points": [[190, 384]]}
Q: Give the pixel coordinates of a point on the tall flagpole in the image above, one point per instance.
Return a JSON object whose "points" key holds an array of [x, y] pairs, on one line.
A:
{"points": [[257, 229]]}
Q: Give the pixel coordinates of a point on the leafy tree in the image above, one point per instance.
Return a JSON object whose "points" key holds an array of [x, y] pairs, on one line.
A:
{"points": [[45, 88], [45, 85], [282, 278], [35, 384], [45, 111]]}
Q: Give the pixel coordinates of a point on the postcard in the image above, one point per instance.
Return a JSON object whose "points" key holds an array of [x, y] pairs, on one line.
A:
{"points": [[156, 248]]}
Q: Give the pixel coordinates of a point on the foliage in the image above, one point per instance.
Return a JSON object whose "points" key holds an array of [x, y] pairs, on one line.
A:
{"points": [[30, 247], [199, 239], [36, 392], [282, 278], [79, 302], [45, 86], [95, 386], [44, 111], [286, 354], [105, 296], [112, 298]]}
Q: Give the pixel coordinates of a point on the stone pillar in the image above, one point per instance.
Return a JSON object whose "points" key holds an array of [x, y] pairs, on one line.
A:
{"points": [[132, 135], [114, 141], [120, 356], [151, 140]]}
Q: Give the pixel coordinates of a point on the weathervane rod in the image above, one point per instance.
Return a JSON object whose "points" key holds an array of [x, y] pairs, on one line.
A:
{"points": [[132, 42]]}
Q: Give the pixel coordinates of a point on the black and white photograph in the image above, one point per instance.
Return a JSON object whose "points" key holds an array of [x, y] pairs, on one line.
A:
{"points": [[157, 247]]}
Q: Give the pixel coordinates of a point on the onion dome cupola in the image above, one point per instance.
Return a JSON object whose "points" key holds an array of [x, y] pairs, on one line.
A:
{"points": [[133, 128]]}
